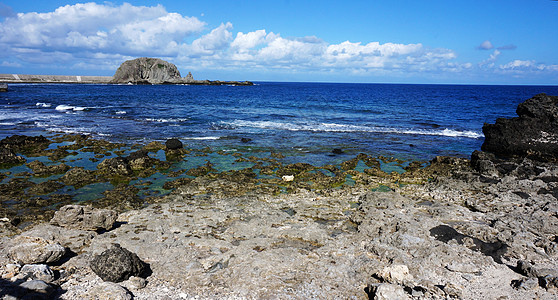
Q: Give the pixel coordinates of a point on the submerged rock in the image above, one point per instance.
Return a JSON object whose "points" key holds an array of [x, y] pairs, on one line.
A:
{"points": [[84, 217], [117, 264], [533, 133]]}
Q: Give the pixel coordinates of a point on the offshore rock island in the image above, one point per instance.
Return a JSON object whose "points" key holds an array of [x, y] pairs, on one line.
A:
{"points": [[451, 228], [143, 70]]}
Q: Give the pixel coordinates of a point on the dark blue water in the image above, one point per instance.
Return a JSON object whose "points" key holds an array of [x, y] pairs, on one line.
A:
{"points": [[305, 121]]}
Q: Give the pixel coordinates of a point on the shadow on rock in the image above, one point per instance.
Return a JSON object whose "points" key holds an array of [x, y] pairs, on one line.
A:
{"points": [[446, 233]]}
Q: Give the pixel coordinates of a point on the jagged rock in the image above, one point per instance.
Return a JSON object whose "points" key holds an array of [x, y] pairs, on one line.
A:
{"points": [[483, 162], [78, 177], [189, 78], [386, 291], [9, 158], [146, 70], [173, 144], [74, 239], [40, 169], [140, 160], [37, 272], [108, 290], [533, 133], [35, 250], [22, 142], [84, 217], [115, 166], [117, 264]]}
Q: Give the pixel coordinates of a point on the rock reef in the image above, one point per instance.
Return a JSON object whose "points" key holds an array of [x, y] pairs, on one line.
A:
{"points": [[484, 228]]}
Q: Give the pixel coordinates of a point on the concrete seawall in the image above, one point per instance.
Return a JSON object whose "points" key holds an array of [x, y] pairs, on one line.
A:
{"points": [[22, 78]]}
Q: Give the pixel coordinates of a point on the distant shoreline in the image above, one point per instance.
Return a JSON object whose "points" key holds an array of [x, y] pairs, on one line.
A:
{"points": [[26, 78]]}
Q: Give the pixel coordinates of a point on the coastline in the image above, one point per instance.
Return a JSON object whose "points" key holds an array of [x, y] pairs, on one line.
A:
{"points": [[367, 228]]}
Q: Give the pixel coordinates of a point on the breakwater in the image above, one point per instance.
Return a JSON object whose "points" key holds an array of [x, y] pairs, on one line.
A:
{"points": [[24, 78]]}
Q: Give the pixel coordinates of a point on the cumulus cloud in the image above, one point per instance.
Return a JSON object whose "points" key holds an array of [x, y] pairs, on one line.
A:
{"points": [[486, 45]]}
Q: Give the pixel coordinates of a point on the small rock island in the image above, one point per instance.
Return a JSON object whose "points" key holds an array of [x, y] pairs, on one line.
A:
{"points": [[146, 70]]}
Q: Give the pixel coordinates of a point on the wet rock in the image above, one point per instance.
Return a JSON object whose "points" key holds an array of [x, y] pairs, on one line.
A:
{"points": [[40, 169], [117, 264], [8, 158], [245, 140], [337, 151], [122, 197], [37, 272], [45, 187], [108, 290], [78, 177], [533, 133], [173, 144], [140, 160], [115, 166], [25, 144], [35, 250], [84, 218], [154, 146]]}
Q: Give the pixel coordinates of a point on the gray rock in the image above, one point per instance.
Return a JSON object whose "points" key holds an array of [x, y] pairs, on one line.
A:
{"points": [[526, 283], [38, 272], [84, 217], [117, 264], [74, 239], [145, 70], [386, 291], [35, 250], [37, 289], [108, 290], [550, 282]]}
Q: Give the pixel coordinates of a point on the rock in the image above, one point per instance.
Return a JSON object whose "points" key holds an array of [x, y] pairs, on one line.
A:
{"points": [[36, 289], [453, 290], [9, 158], [189, 78], [287, 178], [35, 250], [78, 177], [395, 274], [337, 151], [135, 283], [108, 290], [173, 144], [549, 282], [386, 291], [533, 133], [140, 160], [38, 272], [483, 163], [3, 87], [23, 143], [115, 166], [84, 217], [40, 169], [526, 283], [117, 264], [245, 140], [74, 239], [146, 70]]}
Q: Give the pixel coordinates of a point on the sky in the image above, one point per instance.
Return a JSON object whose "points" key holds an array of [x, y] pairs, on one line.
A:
{"points": [[428, 41]]}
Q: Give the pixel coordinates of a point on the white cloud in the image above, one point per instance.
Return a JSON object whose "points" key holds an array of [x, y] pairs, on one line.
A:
{"points": [[486, 45]]}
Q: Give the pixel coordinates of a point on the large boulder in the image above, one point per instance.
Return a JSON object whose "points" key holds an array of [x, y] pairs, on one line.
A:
{"points": [[35, 250], [533, 133], [117, 264], [84, 218], [145, 70]]}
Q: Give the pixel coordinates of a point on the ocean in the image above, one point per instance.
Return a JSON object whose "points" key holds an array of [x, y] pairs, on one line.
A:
{"points": [[303, 121]]}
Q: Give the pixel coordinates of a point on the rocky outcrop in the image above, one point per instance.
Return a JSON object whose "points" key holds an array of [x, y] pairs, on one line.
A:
{"points": [[84, 218], [35, 250], [534, 133], [145, 70]]}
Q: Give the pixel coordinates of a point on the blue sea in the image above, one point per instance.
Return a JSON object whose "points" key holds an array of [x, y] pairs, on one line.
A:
{"points": [[304, 121]]}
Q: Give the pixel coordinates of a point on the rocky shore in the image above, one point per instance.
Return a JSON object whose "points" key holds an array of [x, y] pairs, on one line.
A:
{"points": [[453, 228]]}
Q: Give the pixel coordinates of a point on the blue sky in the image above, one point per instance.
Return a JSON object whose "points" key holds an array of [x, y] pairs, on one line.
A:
{"points": [[479, 42]]}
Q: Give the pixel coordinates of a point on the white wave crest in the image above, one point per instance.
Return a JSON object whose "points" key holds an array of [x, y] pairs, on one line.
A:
{"points": [[332, 127], [42, 104], [171, 120], [203, 138], [63, 107]]}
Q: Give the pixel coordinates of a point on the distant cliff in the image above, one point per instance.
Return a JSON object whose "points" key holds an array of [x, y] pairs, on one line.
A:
{"points": [[145, 70]]}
